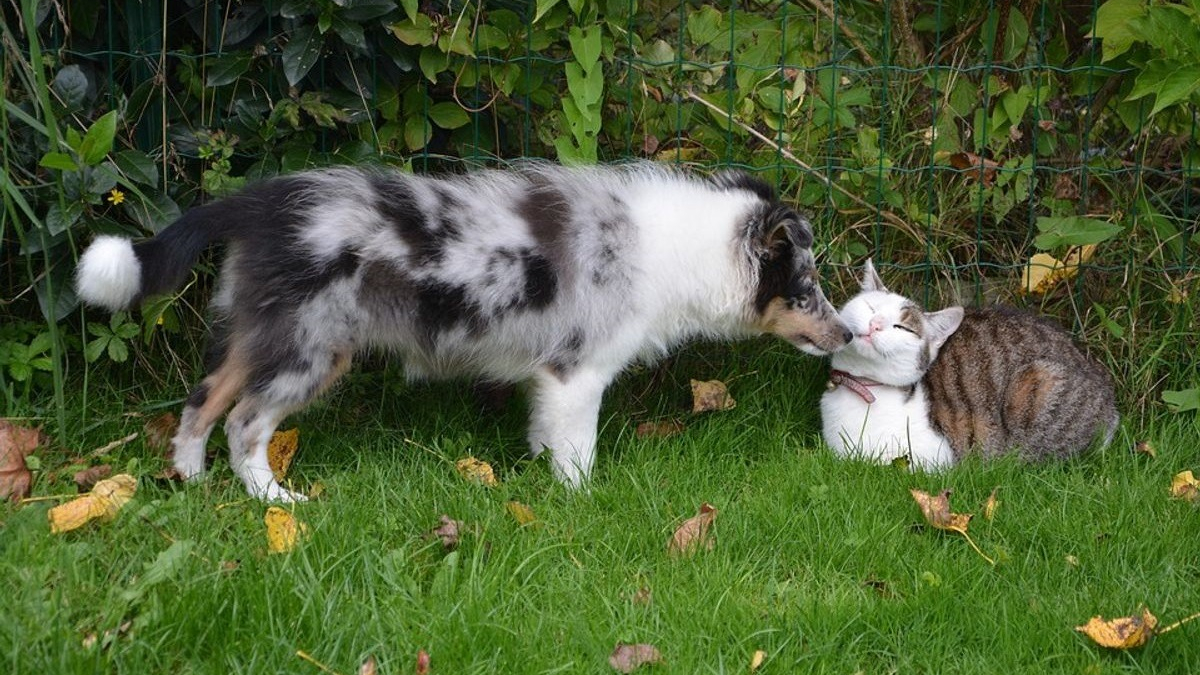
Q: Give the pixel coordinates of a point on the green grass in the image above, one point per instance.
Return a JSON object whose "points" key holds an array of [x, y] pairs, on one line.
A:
{"points": [[823, 564]]}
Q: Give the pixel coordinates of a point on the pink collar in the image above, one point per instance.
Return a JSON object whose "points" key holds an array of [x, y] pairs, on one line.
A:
{"points": [[858, 385]]}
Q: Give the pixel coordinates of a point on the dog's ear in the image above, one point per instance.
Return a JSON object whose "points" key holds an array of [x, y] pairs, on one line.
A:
{"points": [[782, 227]]}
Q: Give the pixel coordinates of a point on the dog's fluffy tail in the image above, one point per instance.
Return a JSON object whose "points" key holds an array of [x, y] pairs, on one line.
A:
{"points": [[116, 273]]}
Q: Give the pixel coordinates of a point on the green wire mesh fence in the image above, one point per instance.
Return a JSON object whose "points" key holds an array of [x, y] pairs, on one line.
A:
{"points": [[1036, 152]]}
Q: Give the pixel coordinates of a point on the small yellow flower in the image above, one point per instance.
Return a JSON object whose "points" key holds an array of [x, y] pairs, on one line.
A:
{"points": [[115, 197]]}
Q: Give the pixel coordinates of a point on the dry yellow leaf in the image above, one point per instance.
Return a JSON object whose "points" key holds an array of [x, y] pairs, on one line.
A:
{"points": [[1125, 632], [281, 450], [104, 501], [1185, 486], [937, 511], [693, 534], [711, 396], [521, 513], [757, 659], [989, 507], [476, 471], [1044, 270], [283, 530]]}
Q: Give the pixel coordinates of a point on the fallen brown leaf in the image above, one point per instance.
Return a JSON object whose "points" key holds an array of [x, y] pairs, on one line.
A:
{"points": [[476, 471], [628, 658], [756, 660], [16, 443], [1144, 448], [280, 451], [520, 512], [693, 534], [1126, 632], [989, 507], [159, 431], [422, 662], [711, 395], [975, 167], [1185, 486], [643, 596], [104, 501], [367, 667], [86, 479], [659, 429], [447, 532], [284, 531], [937, 511]]}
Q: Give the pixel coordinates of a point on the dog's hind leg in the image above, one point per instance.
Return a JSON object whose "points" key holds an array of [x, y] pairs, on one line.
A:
{"points": [[566, 410], [254, 419], [207, 402]]}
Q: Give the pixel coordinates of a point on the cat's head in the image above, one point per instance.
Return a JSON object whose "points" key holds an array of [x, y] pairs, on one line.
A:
{"points": [[895, 341]]}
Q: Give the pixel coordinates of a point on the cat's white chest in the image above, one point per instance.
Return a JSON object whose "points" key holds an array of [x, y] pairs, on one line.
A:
{"points": [[894, 425]]}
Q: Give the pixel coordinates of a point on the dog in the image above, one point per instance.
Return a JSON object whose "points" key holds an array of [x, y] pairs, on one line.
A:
{"points": [[559, 277]]}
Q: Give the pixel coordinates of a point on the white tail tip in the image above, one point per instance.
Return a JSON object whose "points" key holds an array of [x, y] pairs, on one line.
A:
{"points": [[109, 274]]}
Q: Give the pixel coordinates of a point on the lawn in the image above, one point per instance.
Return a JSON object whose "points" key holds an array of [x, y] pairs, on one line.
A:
{"points": [[824, 565]]}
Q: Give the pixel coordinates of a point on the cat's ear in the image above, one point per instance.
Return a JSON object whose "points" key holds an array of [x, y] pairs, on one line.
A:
{"points": [[870, 278], [939, 326]]}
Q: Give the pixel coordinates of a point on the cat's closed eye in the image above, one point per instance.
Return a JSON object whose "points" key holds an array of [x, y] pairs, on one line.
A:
{"points": [[904, 328]]}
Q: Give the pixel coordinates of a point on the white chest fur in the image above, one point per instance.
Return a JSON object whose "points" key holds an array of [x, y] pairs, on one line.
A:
{"points": [[894, 425]]}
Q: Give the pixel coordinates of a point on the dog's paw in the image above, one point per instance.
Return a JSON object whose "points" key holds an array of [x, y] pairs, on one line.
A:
{"points": [[277, 493]]}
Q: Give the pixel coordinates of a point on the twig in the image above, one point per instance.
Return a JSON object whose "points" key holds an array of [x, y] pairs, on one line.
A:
{"points": [[887, 215], [104, 449], [324, 668]]}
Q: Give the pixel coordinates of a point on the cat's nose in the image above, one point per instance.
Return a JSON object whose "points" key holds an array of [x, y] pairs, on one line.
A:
{"points": [[875, 325], [847, 335]]}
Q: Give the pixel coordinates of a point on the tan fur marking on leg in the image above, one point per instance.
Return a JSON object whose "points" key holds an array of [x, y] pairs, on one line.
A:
{"points": [[224, 385]]}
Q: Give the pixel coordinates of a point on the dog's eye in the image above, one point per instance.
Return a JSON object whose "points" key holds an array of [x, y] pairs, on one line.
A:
{"points": [[904, 328]]}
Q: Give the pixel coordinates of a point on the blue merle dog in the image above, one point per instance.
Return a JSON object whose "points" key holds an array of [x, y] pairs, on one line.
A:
{"points": [[554, 276]]}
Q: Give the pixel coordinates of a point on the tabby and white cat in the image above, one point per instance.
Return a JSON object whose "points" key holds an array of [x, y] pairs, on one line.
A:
{"points": [[935, 386]]}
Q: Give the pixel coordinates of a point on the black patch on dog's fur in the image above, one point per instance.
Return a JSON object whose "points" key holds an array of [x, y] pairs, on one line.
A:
{"points": [[396, 203], [741, 180], [780, 274], [541, 283], [198, 396], [546, 211], [442, 307]]}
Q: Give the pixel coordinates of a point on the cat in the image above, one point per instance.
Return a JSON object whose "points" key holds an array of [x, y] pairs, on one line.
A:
{"points": [[936, 386]]}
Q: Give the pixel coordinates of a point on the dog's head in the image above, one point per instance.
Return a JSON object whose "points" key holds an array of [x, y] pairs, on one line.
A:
{"points": [[788, 300]]}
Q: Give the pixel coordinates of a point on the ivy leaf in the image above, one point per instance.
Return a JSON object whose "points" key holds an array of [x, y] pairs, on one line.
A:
{"points": [[543, 6], [432, 62], [417, 132], [59, 219], [137, 167], [301, 52], [410, 9], [1073, 231], [585, 45], [98, 141], [417, 31], [225, 69], [1113, 25], [448, 115], [1182, 400]]}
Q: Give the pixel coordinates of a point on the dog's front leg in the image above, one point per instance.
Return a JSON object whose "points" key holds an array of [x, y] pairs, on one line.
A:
{"points": [[566, 408]]}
